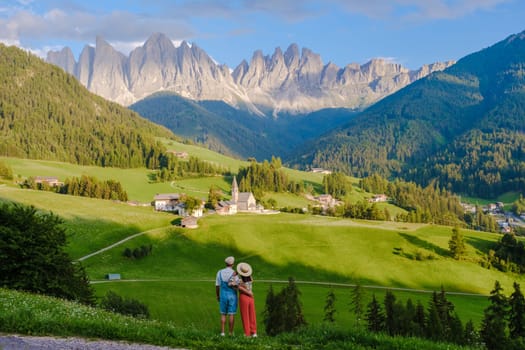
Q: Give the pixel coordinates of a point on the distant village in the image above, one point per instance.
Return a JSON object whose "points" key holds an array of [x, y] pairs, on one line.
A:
{"points": [[244, 202]]}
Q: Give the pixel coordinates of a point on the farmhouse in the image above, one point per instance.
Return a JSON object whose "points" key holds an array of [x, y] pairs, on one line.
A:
{"points": [[180, 209], [166, 201], [226, 208], [179, 154], [377, 198], [48, 180]]}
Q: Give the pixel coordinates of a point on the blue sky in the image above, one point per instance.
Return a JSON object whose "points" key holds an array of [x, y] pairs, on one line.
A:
{"points": [[410, 32]]}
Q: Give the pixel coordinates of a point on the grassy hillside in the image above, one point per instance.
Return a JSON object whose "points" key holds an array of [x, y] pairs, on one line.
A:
{"points": [[176, 281]]}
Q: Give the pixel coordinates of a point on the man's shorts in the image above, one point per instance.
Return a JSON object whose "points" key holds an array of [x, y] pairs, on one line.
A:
{"points": [[228, 304]]}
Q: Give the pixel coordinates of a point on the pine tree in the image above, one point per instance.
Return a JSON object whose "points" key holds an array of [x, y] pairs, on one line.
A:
{"points": [[374, 316], [357, 302], [292, 307], [272, 316], [517, 313], [493, 326], [390, 316], [456, 244], [329, 308], [433, 325], [471, 337]]}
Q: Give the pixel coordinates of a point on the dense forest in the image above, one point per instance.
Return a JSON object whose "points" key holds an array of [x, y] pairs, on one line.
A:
{"points": [[46, 114], [462, 128]]}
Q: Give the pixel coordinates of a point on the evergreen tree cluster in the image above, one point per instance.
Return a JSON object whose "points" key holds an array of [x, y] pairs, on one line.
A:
{"points": [[283, 310], [337, 185], [364, 210], [429, 204], [482, 163], [33, 258], [267, 176], [171, 168], [518, 207], [503, 325], [508, 254], [126, 306], [439, 322], [84, 186], [47, 114]]}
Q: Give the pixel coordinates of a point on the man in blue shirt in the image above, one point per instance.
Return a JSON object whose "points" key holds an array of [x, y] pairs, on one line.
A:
{"points": [[227, 294]]}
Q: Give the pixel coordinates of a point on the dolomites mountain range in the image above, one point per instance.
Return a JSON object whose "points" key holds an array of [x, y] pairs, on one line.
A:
{"points": [[293, 81]]}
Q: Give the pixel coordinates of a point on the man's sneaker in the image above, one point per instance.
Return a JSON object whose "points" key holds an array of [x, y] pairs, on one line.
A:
{"points": [[222, 334], [254, 335]]}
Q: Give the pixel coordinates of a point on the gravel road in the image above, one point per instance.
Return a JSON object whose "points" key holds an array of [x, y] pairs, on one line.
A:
{"points": [[19, 342]]}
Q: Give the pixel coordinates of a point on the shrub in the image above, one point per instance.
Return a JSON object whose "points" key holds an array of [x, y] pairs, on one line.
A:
{"points": [[131, 307]]}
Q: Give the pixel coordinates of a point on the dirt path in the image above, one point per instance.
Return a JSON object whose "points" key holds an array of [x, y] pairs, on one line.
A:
{"points": [[17, 342], [122, 241]]}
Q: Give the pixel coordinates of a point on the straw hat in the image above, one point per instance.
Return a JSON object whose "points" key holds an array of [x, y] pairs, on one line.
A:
{"points": [[244, 269], [229, 260]]}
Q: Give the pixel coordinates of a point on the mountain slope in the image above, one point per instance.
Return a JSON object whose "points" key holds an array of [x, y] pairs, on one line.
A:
{"points": [[231, 131], [421, 132], [290, 82], [46, 114]]}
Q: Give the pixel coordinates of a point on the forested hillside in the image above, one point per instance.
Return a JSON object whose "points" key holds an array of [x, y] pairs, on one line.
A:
{"points": [[46, 114], [462, 127]]}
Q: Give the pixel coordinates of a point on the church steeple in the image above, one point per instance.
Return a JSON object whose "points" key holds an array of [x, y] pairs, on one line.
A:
{"points": [[235, 190]]}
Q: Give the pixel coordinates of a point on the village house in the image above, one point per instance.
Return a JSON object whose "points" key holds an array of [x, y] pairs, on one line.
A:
{"points": [[166, 201], [226, 208], [197, 212], [179, 154], [377, 198], [320, 170], [51, 181], [326, 200]]}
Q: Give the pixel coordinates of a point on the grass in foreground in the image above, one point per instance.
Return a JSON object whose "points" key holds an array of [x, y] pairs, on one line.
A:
{"points": [[23, 313]]}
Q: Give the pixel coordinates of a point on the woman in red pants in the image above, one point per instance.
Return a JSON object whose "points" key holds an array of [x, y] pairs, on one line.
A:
{"points": [[246, 300]]}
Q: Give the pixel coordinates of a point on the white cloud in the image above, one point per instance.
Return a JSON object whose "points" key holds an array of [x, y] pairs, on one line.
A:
{"points": [[417, 9]]}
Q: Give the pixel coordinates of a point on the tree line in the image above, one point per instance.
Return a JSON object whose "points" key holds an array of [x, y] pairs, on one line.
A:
{"points": [[430, 204], [502, 326], [83, 186], [266, 177], [171, 168]]}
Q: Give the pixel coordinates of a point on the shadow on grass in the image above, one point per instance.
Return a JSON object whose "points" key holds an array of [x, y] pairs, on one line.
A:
{"points": [[482, 246], [418, 242]]}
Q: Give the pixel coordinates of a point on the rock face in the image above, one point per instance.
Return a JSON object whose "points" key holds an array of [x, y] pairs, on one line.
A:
{"points": [[292, 82]]}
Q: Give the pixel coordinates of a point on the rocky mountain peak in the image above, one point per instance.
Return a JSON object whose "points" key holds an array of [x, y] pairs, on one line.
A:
{"points": [[293, 81]]}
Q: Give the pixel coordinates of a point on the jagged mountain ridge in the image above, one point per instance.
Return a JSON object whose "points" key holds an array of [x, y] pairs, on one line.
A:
{"points": [[292, 82]]}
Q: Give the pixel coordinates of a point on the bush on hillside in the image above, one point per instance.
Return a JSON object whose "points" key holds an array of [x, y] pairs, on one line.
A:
{"points": [[32, 255], [125, 306]]}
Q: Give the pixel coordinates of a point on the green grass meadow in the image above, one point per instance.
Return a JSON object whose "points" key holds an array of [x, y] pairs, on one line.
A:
{"points": [[177, 280]]}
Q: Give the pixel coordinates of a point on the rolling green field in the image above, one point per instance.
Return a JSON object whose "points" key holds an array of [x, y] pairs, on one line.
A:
{"points": [[177, 280]]}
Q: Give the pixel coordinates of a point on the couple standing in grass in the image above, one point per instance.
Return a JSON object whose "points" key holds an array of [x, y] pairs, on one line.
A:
{"points": [[232, 286]]}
